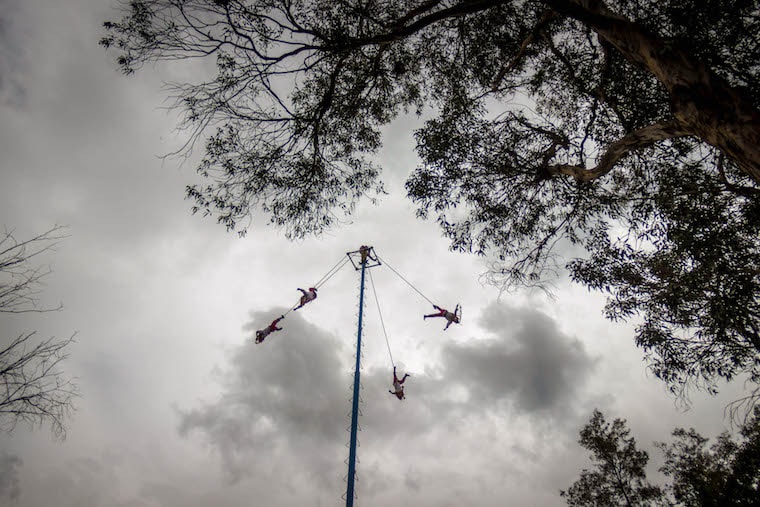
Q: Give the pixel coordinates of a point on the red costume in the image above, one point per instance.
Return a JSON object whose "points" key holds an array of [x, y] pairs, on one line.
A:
{"points": [[451, 317], [263, 333]]}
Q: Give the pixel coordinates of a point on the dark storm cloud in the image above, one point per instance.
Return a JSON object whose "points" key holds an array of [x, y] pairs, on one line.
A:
{"points": [[9, 483], [530, 361], [99, 479], [12, 53], [426, 405], [286, 396], [81, 142], [528, 365]]}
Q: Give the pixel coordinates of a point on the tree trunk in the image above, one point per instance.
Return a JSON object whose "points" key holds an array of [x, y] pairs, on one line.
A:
{"points": [[703, 102]]}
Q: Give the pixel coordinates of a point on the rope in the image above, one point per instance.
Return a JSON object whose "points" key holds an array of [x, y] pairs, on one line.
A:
{"points": [[337, 267], [377, 301], [407, 281], [334, 270]]}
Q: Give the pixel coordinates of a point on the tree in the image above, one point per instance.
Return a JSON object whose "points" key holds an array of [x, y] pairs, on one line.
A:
{"points": [[726, 474], [619, 477], [33, 389], [628, 130]]}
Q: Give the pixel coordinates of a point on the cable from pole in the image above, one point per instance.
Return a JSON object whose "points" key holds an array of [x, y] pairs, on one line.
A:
{"points": [[377, 301], [330, 275], [337, 267], [407, 281], [332, 271]]}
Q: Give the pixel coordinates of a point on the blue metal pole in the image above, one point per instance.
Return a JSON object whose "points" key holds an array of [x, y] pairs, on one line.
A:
{"points": [[355, 407]]}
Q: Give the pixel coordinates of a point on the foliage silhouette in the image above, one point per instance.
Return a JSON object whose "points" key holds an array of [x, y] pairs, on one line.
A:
{"points": [[626, 130], [725, 474]]}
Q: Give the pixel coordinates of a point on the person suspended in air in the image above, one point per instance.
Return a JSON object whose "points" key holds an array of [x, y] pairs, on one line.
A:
{"points": [[261, 334], [366, 253], [308, 296], [398, 387], [451, 317]]}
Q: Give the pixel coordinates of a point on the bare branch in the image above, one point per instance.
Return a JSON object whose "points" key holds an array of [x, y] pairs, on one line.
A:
{"points": [[20, 282], [635, 140], [33, 389], [740, 410]]}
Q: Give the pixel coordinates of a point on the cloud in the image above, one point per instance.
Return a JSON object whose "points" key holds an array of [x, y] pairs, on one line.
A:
{"points": [[9, 470], [529, 362], [92, 480], [12, 52], [294, 386], [284, 408], [284, 397]]}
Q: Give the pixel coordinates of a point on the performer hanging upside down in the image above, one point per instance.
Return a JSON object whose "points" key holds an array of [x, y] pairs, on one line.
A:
{"points": [[263, 333], [398, 388], [451, 317], [308, 296]]}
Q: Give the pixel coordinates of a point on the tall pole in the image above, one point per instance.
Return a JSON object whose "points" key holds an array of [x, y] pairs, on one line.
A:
{"points": [[355, 406]]}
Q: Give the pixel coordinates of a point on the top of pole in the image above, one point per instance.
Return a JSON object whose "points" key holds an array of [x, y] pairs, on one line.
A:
{"points": [[364, 256]]}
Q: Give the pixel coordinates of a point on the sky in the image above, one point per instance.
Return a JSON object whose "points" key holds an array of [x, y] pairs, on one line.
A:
{"points": [[179, 407]]}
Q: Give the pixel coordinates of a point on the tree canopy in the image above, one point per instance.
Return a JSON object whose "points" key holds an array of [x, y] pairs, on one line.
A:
{"points": [[626, 129], [619, 476], [726, 473]]}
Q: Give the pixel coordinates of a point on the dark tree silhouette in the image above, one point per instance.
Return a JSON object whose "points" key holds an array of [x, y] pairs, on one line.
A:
{"points": [[619, 474], [629, 129], [33, 389], [726, 474]]}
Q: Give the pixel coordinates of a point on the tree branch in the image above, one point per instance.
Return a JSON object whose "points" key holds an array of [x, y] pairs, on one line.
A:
{"points": [[718, 113], [738, 190], [402, 31], [20, 282], [32, 388], [547, 17], [637, 139]]}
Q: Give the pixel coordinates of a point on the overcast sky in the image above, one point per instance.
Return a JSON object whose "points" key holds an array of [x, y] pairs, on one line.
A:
{"points": [[180, 408]]}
